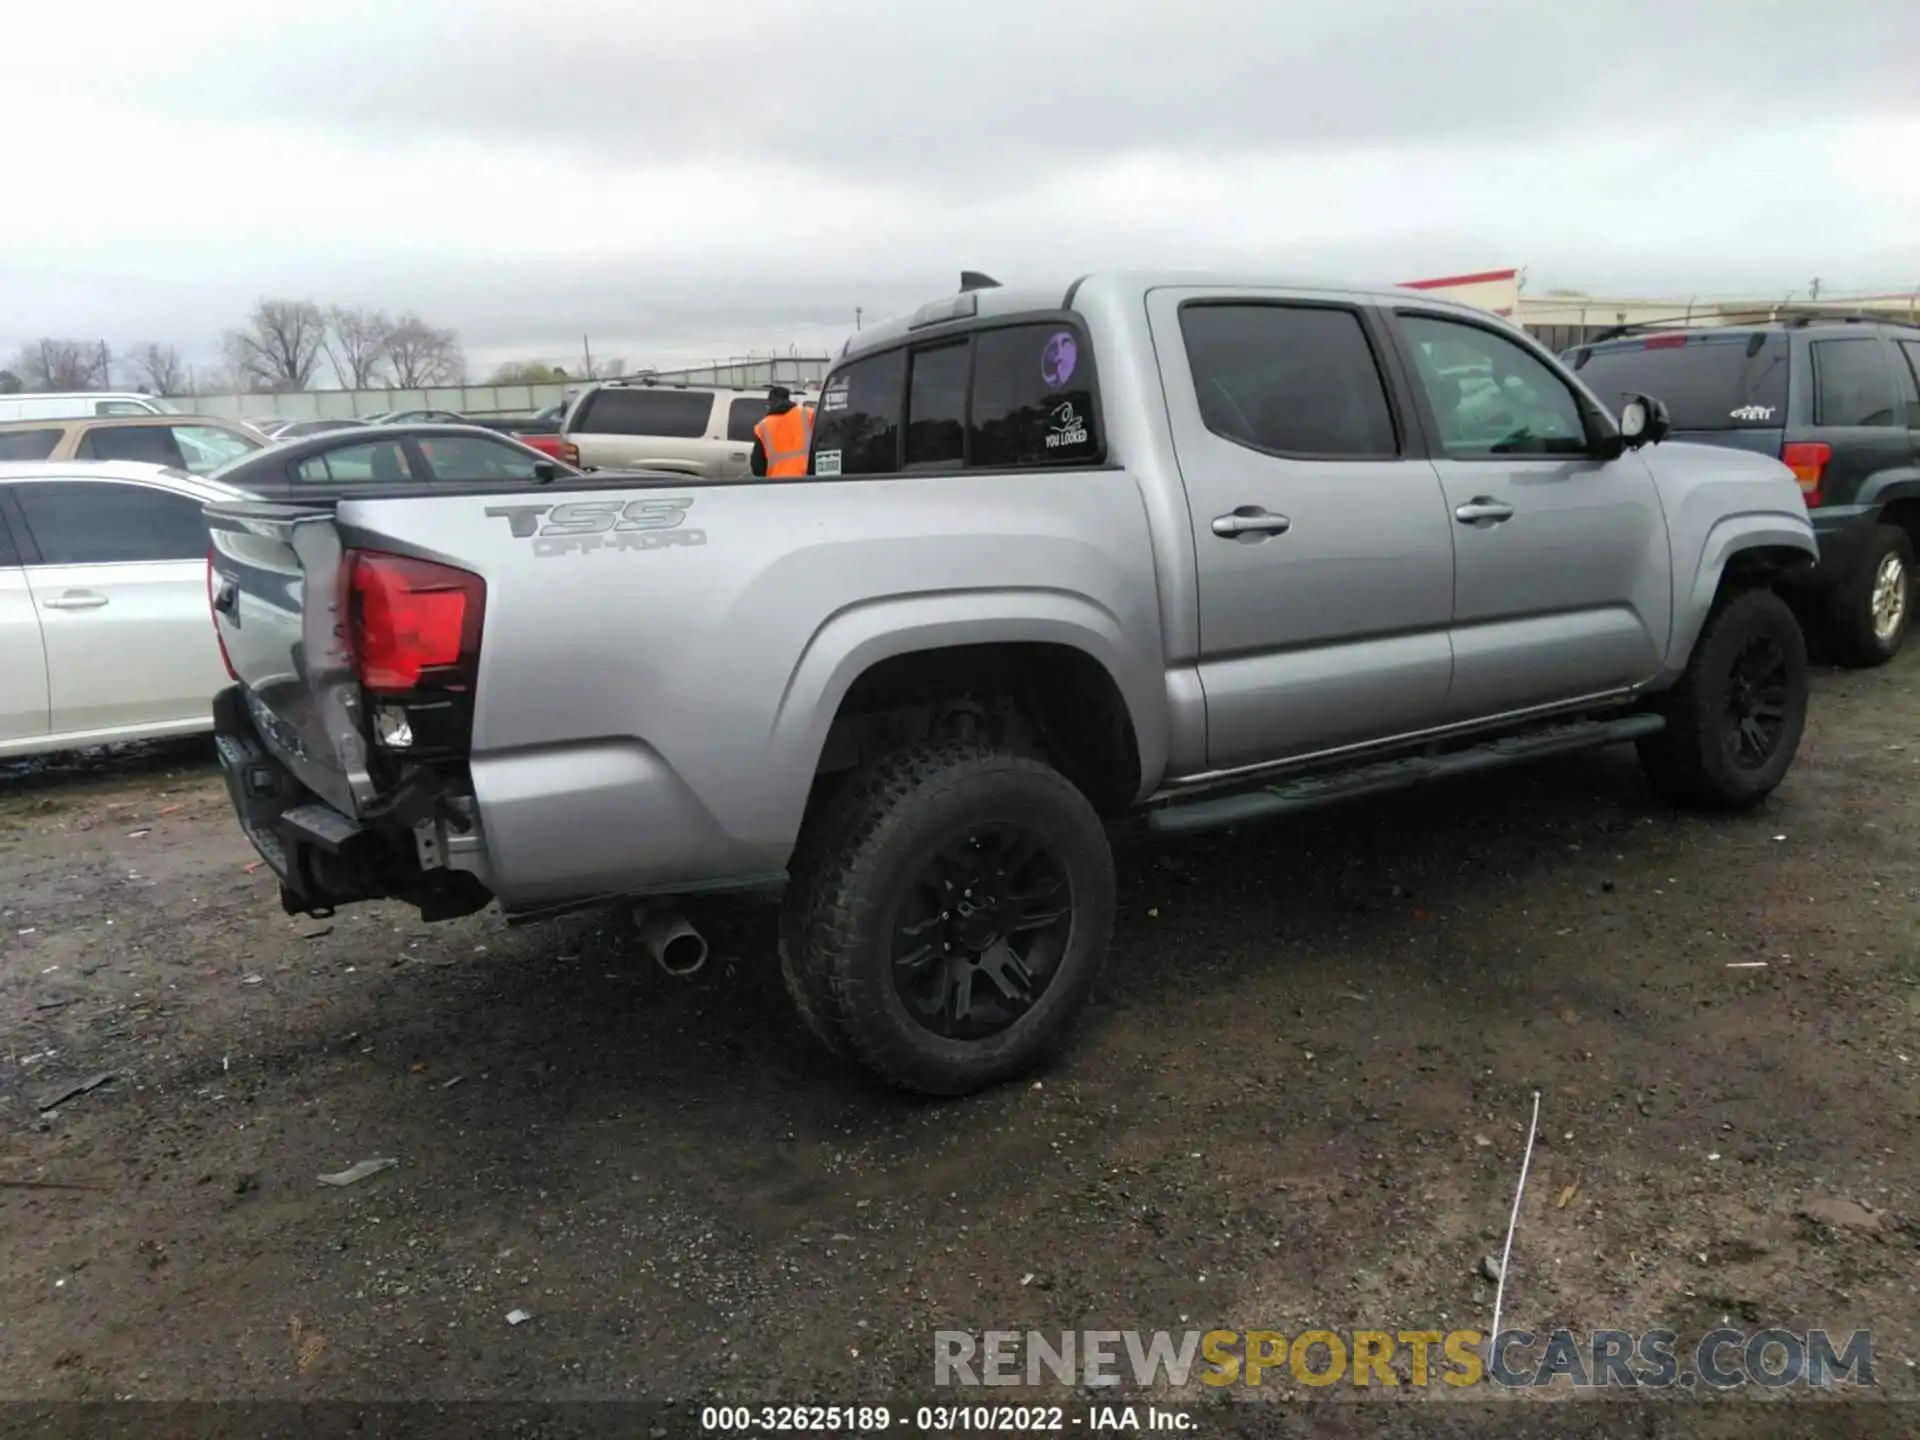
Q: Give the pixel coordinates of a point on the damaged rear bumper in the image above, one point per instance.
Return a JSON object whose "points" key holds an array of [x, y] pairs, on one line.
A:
{"points": [[417, 846]]}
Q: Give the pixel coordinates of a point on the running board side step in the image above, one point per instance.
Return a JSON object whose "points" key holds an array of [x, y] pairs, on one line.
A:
{"points": [[1287, 797]]}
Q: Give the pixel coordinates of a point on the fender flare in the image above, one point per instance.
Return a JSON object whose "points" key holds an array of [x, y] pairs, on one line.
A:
{"points": [[1890, 486], [851, 641], [1731, 534]]}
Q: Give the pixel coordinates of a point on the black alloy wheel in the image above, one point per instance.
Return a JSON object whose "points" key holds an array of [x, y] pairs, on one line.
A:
{"points": [[980, 932], [1758, 695]]}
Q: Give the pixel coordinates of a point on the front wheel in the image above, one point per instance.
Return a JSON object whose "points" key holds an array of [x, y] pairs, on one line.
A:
{"points": [[1735, 718], [947, 925]]}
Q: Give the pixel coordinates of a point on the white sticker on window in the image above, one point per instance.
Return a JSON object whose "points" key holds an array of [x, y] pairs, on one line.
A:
{"points": [[1751, 412], [834, 399], [826, 462]]}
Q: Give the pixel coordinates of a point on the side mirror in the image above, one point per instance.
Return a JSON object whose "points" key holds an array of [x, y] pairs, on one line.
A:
{"points": [[1643, 421], [545, 472]]}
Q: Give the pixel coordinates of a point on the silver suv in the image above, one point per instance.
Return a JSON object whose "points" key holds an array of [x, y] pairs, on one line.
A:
{"points": [[641, 425]]}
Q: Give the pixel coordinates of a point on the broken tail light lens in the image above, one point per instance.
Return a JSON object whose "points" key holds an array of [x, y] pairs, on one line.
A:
{"points": [[414, 624]]}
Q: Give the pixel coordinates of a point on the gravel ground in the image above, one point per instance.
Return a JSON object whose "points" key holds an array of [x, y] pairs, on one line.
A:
{"points": [[1299, 1100]]}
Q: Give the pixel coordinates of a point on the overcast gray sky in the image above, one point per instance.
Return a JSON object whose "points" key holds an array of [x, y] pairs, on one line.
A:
{"points": [[687, 180]]}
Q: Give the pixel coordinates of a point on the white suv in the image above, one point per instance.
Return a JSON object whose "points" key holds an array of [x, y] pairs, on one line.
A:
{"points": [[694, 429]]}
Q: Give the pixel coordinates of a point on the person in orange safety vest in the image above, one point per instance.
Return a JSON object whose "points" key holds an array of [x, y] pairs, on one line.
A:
{"points": [[782, 440]]}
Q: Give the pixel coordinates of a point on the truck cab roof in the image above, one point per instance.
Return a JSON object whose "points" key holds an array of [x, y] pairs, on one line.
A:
{"points": [[971, 306]]}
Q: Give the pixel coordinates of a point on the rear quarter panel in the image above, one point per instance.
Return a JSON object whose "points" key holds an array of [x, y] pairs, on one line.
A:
{"points": [[651, 713]]}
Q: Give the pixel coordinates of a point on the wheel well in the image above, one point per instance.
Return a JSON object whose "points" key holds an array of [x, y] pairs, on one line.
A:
{"points": [[1905, 514], [1050, 701], [1761, 565]]}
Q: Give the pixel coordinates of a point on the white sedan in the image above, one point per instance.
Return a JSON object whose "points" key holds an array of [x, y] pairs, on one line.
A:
{"points": [[105, 631]]}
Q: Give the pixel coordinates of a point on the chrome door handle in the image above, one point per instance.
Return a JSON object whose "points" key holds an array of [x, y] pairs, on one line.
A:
{"points": [[76, 600], [1250, 522], [1483, 509]]}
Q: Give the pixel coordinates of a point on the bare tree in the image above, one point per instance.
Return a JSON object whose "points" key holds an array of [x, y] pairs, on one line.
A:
{"points": [[357, 345], [280, 347], [64, 365], [421, 354], [10, 383], [158, 369]]}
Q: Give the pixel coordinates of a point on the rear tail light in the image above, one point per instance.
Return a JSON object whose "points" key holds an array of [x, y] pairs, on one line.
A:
{"points": [[414, 624], [1665, 342], [569, 452], [1808, 461], [214, 616]]}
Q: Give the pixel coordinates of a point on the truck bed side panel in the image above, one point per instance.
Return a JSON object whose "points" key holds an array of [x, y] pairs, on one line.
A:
{"points": [[652, 699]]}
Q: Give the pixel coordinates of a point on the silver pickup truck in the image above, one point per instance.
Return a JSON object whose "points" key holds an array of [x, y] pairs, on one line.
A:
{"points": [[1192, 549]]}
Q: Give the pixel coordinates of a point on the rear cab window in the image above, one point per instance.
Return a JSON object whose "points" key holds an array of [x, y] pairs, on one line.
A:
{"points": [[28, 444], [1008, 396], [668, 414], [1707, 380]]}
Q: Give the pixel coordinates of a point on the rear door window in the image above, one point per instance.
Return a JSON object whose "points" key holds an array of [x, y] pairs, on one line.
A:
{"points": [[1032, 398], [1289, 380], [151, 444], [667, 414], [1706, 381], [377, 462], [463, 457], [28, 444], [9, 553], [1852, 384], [856, 430], [104, 522], [743, 414]]}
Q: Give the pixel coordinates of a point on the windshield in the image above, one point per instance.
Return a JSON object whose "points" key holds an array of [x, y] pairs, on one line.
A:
{"points": [[1707, 381]]}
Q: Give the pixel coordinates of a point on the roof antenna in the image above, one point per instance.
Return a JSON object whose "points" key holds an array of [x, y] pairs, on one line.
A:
{"points": [[974, 280]]}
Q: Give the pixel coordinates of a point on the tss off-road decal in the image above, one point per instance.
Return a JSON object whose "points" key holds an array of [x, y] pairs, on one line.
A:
{"points": [[580, 526]]}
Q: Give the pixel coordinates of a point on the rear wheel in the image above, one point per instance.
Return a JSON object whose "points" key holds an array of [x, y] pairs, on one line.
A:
{"points": [[1873, 608], [1735, 718], [947, 923]]}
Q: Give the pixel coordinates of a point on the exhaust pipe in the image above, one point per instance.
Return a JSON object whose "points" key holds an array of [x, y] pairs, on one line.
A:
{"points": [[677, 947]]}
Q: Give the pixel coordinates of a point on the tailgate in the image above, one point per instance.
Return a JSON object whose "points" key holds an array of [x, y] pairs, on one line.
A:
{"points": [[275, 583]]}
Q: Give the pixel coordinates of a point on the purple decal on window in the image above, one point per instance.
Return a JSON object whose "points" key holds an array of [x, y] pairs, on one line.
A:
{"points": [[1058, 359]]}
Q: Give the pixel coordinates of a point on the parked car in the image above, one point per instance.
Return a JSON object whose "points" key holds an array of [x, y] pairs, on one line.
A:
{"points": [[73, 405], [197, 443], [416, 417], [297, 429], [103, 604], [1837, 400], [369, 459], [1209, 550], [641, 425]]}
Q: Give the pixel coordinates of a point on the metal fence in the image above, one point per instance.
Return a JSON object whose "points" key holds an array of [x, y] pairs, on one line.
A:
{"points": [[486, 401]]}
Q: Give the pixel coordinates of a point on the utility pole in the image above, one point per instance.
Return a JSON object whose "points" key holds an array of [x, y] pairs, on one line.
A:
{"points": [[857, 312], [587, 355], [1813, 288]]}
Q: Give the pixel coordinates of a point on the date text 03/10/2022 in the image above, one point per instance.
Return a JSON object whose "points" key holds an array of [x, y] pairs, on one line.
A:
{"points": [[945, 1419]]}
